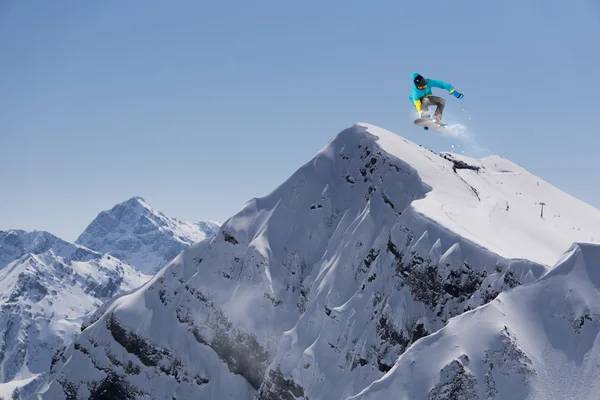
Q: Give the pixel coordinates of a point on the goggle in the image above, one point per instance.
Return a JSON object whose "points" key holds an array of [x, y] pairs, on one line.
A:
{"points": [[422, 87]]}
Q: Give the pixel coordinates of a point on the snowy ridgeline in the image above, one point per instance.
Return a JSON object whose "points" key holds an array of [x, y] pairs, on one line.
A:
{"points": [[361, 275], [48, 286], [538, 341]]}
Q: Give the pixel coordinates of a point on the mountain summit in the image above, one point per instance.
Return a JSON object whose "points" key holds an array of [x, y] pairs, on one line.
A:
{"points": [[320, 288], [137, 233]]}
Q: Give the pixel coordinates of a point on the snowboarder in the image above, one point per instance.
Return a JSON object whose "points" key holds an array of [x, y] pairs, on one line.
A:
{"points": [[422, 97]]}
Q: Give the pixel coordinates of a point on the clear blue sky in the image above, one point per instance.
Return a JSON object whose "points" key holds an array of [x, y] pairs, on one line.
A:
{"points": [[198, 106]]}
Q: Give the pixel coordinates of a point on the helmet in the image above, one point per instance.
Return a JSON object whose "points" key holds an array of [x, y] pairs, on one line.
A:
{"points": [[420, 82]]}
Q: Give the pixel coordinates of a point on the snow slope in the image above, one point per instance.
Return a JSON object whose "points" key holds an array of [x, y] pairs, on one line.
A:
{"points": [[141, 235], [481, 215], [315, 290], [46, 286], [538, 341]]}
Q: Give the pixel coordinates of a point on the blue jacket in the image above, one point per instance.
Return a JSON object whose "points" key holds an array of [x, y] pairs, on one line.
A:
{"points": [[417, 94]]}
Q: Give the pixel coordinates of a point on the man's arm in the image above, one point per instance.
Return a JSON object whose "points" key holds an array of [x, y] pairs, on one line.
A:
{"points": [[415, 100], [417, 104], [441, 85], [445, 85]]}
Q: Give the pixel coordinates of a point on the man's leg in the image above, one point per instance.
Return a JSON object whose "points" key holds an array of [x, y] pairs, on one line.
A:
{"points": [[424, 113], [439, 102]]}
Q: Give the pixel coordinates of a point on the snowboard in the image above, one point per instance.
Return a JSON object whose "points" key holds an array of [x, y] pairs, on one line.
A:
{"points": [[431, 124]]}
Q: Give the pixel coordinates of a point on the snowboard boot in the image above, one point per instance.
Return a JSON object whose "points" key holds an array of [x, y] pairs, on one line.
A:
{"points": [[438, 121]]}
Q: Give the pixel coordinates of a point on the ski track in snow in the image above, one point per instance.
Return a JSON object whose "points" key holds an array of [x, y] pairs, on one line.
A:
{"points": [[506, 182]]}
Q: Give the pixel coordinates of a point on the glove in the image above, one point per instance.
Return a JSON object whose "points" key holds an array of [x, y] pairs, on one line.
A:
{"points": [[457, 95]]}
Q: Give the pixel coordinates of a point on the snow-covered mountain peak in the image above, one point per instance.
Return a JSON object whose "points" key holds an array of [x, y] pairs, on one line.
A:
{"points": [[316, 289], [494, 202], [15, 244], [134, 208], [46, 263], [136, 232]]}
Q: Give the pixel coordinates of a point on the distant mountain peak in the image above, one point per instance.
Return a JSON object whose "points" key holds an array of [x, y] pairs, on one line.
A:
{"points": [[138, 201], [136, 232], [16, 243]]}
